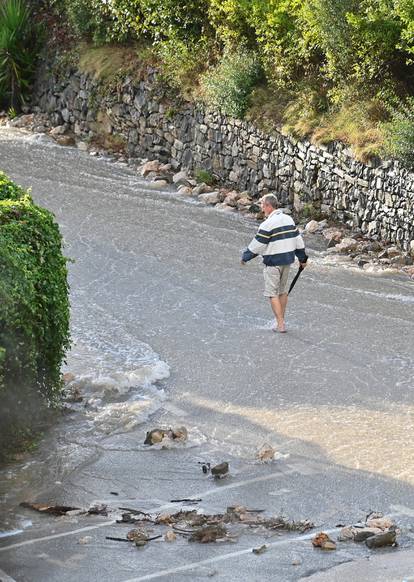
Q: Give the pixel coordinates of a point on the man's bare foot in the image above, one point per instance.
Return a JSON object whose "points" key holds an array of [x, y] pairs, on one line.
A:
{"points": [[279, 329]]}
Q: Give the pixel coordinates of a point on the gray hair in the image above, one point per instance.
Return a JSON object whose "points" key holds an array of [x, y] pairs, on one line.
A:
{"points": [[271, 200]]}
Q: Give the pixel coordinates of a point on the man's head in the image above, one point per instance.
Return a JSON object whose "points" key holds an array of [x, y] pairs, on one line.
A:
{"points": [[269, 203]]}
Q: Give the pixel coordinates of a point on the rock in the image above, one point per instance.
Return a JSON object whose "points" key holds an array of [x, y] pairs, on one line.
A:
{"points": [[82, 146], [266, 453], [388, 538], [333, 234], [347, 245], [312, 227], [65, 140], [181, 178], [185, 191], [362, 534], [323, 541], [85, 540], [323, 224], [58, 130], [210, 197], [232, 198], [22, 120], [393, 252], [260, 550], [180, 433], [244, 203], [170, 536], [380, 523], [152, 166], [412, 248], [221, 470], [154, 436], [201, 189], [346, 534]]}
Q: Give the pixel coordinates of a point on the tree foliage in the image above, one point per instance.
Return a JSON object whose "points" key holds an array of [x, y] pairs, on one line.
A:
{"points": [[19, 43], [34, 314]]}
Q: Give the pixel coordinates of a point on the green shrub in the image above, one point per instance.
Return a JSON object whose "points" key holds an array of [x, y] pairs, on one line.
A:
{"points": [[228, 86], [19, 44], [34, 308], [399, 131], [182, 62], [204, 176]]}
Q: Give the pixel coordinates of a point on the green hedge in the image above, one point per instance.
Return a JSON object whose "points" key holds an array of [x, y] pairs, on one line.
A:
{"points": [[34, 307]]}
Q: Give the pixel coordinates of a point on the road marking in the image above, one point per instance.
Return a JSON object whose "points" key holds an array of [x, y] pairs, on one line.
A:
{"points": [[153, 510], [230, 555], [55, 536]]}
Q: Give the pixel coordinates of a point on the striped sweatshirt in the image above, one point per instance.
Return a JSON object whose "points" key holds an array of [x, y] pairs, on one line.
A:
{"points": [[278, 241]]}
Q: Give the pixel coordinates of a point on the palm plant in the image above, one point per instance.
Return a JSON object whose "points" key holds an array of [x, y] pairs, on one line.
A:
{"points": [[18, 40]]}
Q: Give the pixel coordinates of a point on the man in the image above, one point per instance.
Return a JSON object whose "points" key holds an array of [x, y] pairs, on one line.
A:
{"points": [[279, 242]]}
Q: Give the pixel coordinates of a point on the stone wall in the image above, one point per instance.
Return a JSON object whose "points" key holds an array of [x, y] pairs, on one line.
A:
{"points": [[377, 198]]}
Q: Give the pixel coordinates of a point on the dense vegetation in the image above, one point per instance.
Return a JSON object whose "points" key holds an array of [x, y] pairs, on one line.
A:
{"points": [[331, 69], [20, 38], [34, 314]]}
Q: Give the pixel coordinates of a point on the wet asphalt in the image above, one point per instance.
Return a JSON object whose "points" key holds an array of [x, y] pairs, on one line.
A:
{"points": [[333, 395]]}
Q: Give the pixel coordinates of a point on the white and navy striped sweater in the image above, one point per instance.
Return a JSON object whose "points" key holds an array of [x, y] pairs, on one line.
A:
{"points": [[278, 241]]}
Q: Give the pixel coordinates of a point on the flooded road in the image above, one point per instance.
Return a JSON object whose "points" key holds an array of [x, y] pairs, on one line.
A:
{"points": [[167, 325]]}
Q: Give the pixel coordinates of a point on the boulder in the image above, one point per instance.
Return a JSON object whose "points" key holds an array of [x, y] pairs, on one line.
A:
{"points": [[152, 166], [58, 130], [232, 198], [210, 197], [181, 178], [201, 189], [347, 245], [65, 140], [312, 227], [185, 191]]}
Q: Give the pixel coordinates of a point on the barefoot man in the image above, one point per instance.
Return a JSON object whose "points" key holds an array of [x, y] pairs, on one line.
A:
{"points": [[279, 243]]}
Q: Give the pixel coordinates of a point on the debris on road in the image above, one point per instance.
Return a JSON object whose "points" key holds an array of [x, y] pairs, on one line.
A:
{"points": [[208, 534], [323, 541], [205, 467], [266, 453], [260, 550], [170, 536], [376, 531], [98, 509], [51, 509], [163, 436], [220, 471], [186, 500], [388, 538], [85, 540]]}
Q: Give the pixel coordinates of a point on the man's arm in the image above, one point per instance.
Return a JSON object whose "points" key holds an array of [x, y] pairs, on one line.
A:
{"points": [[300, 251], [257, 246]]}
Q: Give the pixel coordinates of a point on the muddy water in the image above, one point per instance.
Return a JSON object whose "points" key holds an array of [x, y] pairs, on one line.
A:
{"points": [[165, 322]]}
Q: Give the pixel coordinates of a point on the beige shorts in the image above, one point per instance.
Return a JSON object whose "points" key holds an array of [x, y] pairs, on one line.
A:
{"points": [[276, 279]]}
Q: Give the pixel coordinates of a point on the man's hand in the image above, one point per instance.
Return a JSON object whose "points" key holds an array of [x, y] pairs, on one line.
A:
{"points": [[242, 263], [303, 265]]}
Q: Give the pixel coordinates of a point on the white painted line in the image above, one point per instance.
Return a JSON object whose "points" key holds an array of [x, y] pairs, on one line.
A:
{"points": [[153, 510], [223, 557], [5, 578], [54, 536]]}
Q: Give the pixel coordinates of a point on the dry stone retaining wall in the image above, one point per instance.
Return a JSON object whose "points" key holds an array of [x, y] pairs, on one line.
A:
{"points": [[377, 198]]}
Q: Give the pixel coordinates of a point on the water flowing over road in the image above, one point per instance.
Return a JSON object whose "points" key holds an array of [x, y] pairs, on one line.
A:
{"points": [[168, 326]]}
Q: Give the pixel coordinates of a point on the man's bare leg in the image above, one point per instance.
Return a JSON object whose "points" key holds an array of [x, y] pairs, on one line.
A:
{"points": [[278, 310], [283, 301]]}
